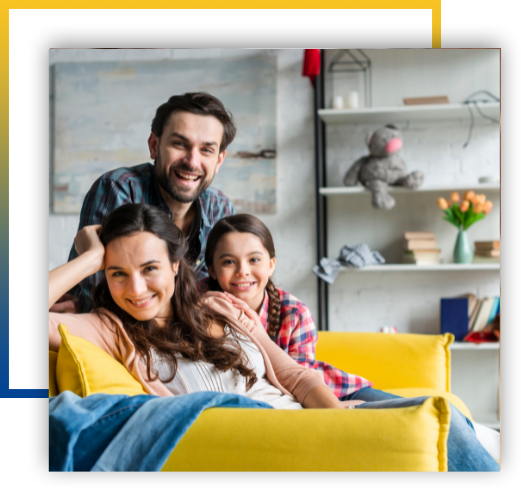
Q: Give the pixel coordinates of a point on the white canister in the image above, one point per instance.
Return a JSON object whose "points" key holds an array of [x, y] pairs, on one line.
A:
{"points": [[337, 102], [352, 100]]}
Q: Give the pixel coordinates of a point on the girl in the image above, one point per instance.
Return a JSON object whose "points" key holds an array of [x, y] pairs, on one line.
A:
{"points": [[149, 316], [240, 257]]}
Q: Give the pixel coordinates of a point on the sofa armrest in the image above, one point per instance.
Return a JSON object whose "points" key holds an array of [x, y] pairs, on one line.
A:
{"points": [[390, 360], [233, 439]]}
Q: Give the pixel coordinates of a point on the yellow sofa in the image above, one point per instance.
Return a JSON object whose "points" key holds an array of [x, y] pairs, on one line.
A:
{"points": [[407, 439]]}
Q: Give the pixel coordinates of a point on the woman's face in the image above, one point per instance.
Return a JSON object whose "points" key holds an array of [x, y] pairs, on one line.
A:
{"points": [[242, 266], [140, 277]]}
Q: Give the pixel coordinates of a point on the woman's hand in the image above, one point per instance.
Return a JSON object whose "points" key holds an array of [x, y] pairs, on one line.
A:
{"points": [[90, 260], [87, 241]]}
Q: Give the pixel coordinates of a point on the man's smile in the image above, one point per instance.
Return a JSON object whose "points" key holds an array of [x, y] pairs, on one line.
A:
{"points": [[186, 178]]}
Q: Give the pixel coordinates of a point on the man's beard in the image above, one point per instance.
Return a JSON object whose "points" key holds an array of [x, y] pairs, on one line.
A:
{"points": [[181, 196]]}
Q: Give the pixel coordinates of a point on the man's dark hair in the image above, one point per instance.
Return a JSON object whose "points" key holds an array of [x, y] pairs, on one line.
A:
{"points": [[199, 103]]}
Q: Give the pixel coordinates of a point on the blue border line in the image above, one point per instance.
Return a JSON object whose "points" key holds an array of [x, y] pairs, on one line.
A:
{"points": [[5, 391]]}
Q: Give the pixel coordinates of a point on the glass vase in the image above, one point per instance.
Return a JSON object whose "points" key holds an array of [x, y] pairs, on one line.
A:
{"points": [[463, 252]]}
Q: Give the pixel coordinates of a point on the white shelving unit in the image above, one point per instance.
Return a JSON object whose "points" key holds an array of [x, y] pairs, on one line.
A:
{"points": [[414, 267], [405, 113], [360, 190], [469, 346], [475, 367]]}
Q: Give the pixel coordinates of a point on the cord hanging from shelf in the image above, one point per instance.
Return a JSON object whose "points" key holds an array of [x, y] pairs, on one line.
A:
{"points": [[469, 102]]}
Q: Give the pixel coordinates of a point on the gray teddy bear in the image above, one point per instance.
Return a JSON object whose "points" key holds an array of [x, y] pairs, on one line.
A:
{"points": [[383, 167]]}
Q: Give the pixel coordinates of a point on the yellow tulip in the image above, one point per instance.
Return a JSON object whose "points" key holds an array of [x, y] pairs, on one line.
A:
{"points": [[454, 196], [442, 203], [468, 195], [487, 207], [464, 205]]}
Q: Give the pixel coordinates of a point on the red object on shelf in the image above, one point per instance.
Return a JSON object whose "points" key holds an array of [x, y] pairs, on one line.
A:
{"points": [[479, 337], [311, 65]]}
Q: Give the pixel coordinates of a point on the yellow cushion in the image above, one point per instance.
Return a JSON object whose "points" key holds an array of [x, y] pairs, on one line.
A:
{"points": [[420, 392], [53, 387], [390, 360], [406, 439], [84, 369]]}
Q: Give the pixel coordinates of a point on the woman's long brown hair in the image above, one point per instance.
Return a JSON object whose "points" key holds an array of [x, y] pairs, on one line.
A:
{"points": [[187, 333], [246, 223]]}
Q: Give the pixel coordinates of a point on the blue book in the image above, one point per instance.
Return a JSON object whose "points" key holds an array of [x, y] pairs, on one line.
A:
{"points": [[494, 311], [455, 317]]}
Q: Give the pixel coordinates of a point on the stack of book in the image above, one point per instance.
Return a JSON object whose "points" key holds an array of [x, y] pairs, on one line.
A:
{"points": [[420, 248], [463, 315], [487, 252]]}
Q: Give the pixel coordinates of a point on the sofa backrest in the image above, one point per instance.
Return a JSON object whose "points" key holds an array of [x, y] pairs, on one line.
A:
{"points": [[390, 360]]}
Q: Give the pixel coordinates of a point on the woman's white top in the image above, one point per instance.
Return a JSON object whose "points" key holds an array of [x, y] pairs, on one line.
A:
{"points": [[200, 376]]}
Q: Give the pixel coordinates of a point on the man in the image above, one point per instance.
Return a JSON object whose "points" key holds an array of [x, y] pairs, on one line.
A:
{"points": [[190, 134]]}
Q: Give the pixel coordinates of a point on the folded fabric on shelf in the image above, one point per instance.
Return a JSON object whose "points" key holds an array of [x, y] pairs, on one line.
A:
{"points": [[352, 257]]}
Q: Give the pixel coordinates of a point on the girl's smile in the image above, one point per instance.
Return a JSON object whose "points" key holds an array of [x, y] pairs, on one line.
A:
{"points": [[242, 266]]}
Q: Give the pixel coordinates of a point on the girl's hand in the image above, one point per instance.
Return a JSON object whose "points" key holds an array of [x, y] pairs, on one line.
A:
{"points": [[242, 305], [216, 294], [87, 241]]}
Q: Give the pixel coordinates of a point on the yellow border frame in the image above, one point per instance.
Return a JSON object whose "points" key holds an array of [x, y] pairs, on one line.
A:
{"points": [[433, 5]]}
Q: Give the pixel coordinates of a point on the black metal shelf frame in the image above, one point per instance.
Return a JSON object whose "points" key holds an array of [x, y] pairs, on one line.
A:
{"points": [[321, 202]]}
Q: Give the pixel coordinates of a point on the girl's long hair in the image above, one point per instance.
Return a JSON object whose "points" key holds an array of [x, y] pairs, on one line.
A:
{"points": [[187, 333], [246, 223]]}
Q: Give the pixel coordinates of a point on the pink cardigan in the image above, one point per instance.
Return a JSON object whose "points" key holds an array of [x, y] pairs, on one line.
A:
{"points": [[282, 371]]}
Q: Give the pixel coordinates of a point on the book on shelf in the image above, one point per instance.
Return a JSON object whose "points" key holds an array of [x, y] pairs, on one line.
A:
{"points": [[426, 100], [418, 235], [486, 259], [474, 313], [483, 315], [422, 256], [487, 245], [454, 317], [413, 244], [495, 253], [495, 310], [472, 301]]}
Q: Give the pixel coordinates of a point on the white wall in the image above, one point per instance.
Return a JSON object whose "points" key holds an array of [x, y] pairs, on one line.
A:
{"points": [[293, 226]]}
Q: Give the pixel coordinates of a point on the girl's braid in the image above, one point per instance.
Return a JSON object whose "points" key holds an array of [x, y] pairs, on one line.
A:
{"points": [[273, 309]]}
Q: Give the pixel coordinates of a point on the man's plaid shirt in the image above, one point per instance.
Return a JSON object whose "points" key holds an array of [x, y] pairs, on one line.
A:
{"points": [[298, 338], [138, 185]]}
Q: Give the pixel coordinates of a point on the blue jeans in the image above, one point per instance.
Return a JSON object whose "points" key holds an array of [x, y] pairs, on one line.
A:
{"points": [[465, 452], [122, 433]]}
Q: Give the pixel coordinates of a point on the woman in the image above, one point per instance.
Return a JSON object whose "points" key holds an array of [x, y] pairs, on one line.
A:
{"points": [[149, 316]]}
